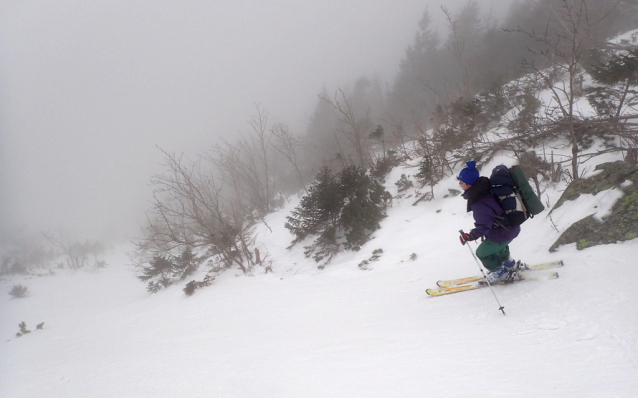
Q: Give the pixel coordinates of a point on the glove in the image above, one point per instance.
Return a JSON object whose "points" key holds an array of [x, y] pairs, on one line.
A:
{"points": [[466, 237]]}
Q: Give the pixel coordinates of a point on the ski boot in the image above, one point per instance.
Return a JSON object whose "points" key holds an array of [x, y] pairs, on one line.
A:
{"points": [[500, 275], [513, 268]]}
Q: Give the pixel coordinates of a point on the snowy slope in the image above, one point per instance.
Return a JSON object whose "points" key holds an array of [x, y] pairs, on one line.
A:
{"points": [[340, 332]]}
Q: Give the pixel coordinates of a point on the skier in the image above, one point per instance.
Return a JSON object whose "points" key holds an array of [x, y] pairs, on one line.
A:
{"points": [[494, 250]]}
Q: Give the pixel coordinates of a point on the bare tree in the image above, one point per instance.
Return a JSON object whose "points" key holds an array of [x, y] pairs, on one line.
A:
{"points": [[77, 253], [189, 211], [250, 165], [23, 250], [564, 41], [288, 146], [354, 127]]}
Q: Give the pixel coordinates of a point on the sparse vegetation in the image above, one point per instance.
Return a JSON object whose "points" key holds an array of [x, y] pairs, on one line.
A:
{"points": [[19, 291], [376, 255], [404, 183], [26, 253], [191, 286], [23, 328], [165, 270]]}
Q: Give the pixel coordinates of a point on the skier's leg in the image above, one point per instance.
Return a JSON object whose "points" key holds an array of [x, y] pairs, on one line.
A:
{"points": [[492, 254]]}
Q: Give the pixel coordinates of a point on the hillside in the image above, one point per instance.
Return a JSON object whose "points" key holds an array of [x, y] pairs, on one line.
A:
{"points": [[344, 331], [340, 332]]}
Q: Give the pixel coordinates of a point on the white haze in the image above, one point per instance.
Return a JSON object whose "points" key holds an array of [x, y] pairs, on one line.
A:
{"points": [[89, 90]]}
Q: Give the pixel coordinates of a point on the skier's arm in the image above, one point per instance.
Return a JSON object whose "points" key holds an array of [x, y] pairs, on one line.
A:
{"points": [[483, 221]]}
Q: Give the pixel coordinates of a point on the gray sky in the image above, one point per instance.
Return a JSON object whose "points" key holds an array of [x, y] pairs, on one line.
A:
{"points": [[88, 89]]}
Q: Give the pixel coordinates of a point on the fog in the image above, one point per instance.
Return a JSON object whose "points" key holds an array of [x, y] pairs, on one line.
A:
{"points": [[90, 89]]}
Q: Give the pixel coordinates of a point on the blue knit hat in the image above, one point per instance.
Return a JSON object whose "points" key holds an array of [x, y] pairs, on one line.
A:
{"points": [[469, 175]]}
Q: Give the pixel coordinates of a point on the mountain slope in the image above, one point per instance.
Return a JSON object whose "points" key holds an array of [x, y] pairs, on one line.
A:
{"points": [[340, 332]]}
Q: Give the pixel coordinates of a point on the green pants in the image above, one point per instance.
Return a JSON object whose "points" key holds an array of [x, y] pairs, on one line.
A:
{"points": [[492, 254]]}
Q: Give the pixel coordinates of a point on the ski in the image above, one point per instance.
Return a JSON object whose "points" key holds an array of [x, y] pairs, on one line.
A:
{"points": [[463, 288], [542, 266], [533, 267]]}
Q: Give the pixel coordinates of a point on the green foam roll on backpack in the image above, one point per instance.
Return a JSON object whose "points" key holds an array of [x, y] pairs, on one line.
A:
{"points": [[531, 200]]}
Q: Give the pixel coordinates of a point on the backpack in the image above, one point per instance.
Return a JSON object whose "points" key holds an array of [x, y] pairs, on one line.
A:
{"points": [[514, 195]]}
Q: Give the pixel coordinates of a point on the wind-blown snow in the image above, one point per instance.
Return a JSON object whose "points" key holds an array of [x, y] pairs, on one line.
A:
{"points": [[342, 331]]}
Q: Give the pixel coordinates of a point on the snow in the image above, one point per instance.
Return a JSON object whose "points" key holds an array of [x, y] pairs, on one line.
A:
{"points": [[627, 37], [342, 331]]}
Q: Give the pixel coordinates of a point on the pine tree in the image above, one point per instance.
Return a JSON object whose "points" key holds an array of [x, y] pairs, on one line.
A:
{"points": [[616, 72], [157, 273], [317, 210], [165, 270], [419, 79], [342, 210], [426, 174], [363, 207]]}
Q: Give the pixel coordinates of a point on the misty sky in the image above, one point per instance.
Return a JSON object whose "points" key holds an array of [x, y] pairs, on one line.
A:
{"points": [[89, 89]]}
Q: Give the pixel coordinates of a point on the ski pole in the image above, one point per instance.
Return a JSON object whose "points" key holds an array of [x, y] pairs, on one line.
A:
{"points": [[501, 308]]}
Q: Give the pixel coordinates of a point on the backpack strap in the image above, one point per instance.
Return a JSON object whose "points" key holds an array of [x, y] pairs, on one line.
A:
{"points": [[498, 223]]}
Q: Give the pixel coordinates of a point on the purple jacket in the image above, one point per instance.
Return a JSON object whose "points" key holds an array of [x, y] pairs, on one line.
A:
{"points": [[485, 208]]}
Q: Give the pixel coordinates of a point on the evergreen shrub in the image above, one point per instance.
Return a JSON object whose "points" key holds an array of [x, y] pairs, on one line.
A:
{"points": [[165, 270], [19, 291], [340, 211]]}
